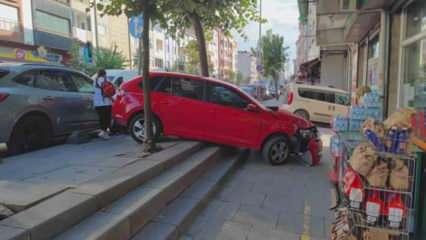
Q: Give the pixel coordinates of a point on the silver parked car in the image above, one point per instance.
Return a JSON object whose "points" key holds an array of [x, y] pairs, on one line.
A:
{"points": [[39, 102]]}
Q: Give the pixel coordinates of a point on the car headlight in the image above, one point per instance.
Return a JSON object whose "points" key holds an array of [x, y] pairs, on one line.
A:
{"points": [[307, 133]]}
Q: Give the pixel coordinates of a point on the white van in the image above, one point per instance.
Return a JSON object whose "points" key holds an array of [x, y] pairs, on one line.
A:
{"points": [[316, 103]]}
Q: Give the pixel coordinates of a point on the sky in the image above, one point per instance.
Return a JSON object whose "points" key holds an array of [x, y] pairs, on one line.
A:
{"points": [[282, 17]]}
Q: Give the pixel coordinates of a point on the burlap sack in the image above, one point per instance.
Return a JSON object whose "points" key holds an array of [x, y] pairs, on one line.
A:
{"points": [[363, 158], [400, 118], [379, 175], [375, 235], [399, 176]]}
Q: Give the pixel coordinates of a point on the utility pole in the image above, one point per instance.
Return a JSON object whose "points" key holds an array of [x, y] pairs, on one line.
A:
{"points": [[259, 61], [130, 44], [95, 10]]}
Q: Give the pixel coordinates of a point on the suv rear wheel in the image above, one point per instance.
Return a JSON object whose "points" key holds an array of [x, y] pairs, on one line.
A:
{"points": [[137, 127], [276, 150], [30, 133]]}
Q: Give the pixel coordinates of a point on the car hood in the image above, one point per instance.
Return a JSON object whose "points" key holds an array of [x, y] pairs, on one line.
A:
{"points": [[298, 121]]}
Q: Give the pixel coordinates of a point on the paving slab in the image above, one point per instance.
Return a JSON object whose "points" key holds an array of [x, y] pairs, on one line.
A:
{"points": [[7, 233], [21, 195], [53, 216]]}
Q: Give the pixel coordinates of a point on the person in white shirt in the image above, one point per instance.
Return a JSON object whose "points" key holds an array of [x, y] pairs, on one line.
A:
{"points": [[103, 105]]}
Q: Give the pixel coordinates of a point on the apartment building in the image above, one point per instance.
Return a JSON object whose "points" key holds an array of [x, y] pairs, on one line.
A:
{"points": [[246, 65], [227, 56], [308, 52], [35, 30]]}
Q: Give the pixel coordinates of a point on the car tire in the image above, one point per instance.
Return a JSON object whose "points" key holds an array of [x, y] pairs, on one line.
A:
{"points": [[276, 150], [30, 133], [137, 128], [302, 113]]}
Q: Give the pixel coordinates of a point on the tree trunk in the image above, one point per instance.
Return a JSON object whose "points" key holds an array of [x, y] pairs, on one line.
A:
{"points": [[276, 87], [201, 40], [149, 144]]}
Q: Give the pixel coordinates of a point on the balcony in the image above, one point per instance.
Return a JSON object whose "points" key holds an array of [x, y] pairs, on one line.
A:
{"points": [[358, 25]]}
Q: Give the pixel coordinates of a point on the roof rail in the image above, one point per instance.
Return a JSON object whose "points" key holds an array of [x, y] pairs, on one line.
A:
{"points": [[44, 64]]}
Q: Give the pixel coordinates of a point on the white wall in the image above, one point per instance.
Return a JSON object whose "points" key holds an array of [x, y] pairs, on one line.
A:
{"points": [[27, 22]]}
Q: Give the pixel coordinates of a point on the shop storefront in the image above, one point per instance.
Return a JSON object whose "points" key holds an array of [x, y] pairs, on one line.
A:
{"points": [[413, 52], [41, 54]]}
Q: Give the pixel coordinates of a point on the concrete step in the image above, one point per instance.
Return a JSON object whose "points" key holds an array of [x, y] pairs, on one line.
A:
{"points": [[59, 213], [177, 216], [126, 216]]}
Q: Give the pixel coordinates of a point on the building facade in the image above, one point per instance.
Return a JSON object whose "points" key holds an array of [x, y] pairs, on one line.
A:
{"points": [[382, 44], [227, 56], [35, 31], [308, 52], [246, 65]]}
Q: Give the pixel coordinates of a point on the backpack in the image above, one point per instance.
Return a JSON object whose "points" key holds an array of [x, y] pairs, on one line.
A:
{"points": [[107, 88]]}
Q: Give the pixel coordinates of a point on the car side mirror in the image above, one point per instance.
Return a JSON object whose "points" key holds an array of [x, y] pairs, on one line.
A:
{"points": [[252, 108]]}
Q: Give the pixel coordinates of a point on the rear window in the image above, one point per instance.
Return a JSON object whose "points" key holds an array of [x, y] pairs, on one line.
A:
{"points": [[3, 73]]}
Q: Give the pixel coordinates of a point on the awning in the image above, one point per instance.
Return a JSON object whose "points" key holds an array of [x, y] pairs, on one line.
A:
{"points": [[310, 64], [359, 24]]}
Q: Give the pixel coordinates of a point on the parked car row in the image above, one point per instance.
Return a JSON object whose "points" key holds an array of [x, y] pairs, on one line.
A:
{"points": [[41, 102]]}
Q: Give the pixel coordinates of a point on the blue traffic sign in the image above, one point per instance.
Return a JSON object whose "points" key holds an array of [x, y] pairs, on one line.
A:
{"points": [[136, 26]]}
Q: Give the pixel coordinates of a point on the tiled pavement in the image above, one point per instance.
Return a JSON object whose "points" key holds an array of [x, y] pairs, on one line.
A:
{"points": [[263, 202]]}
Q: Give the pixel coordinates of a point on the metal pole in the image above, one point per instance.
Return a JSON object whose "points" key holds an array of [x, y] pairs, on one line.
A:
{"points": [[130, 44], [96, 24], [259, 61]]}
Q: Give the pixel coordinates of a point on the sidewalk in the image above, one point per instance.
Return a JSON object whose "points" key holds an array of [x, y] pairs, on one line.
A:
{"points": [[29, 178], [269, 202]]}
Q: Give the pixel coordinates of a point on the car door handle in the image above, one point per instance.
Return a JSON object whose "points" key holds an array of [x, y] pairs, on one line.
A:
{"points": [[48, 98]]}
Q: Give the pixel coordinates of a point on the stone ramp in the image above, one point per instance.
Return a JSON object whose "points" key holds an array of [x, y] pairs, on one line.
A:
{"points": [[28, 179], [55, 215], [175, 218], [124, 217]]}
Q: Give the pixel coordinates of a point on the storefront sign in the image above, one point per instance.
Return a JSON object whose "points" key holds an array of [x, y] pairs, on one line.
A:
{"points": [[18, 54]]}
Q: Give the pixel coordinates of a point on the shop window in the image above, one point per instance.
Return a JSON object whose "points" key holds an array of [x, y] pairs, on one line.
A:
{"points": [[52, 24], [414, 52], [416, 18]]}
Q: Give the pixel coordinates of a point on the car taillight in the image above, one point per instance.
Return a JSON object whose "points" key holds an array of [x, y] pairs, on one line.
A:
{"points": [[290, 98], [3, 96]]}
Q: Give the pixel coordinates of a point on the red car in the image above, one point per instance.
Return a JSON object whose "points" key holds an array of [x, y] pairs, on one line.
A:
{"points": [[210, 110]]}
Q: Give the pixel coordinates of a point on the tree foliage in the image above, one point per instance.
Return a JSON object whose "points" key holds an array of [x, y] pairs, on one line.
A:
{"points": [[206, 15], [103, 58], [273, 55]]}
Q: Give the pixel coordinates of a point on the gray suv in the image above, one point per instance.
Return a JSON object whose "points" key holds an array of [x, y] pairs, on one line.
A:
{"points": [[40, 102]]}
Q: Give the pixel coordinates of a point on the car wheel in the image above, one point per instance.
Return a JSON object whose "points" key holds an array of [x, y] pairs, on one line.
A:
{"points": [[30, 133], [137, 128], [303, 114], [276, 150]]}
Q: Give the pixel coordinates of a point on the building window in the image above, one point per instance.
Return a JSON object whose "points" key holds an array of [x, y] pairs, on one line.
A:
{"points": [[414, 52], [82, 21], [159, 45], [52, 24], [9, 18], [158, 63]]}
